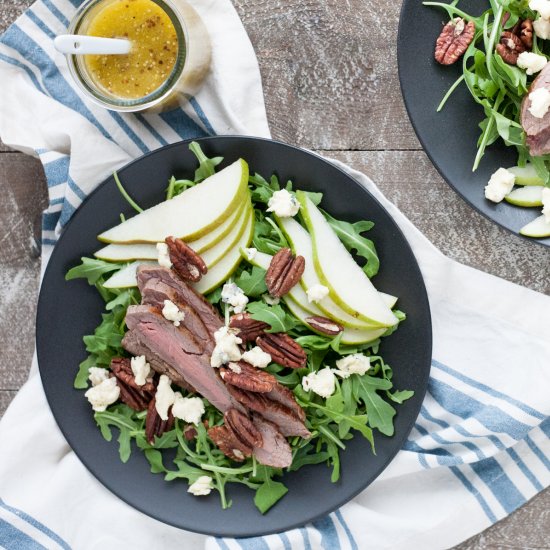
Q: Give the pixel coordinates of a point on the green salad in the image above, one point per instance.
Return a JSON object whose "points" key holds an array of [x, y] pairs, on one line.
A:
{"points": [[359, 405]]}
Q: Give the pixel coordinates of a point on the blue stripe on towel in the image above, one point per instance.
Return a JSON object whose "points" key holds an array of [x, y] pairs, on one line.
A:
{"points": [[495, 393], [285, 541], [475, 493], [61, 18], [523, 467], [40, 24], [182, 124], [343, 523], [202, 116], [253, 543], [221, 544], [305, 536], [57, 170], [20, 65], [49, 220], [35, 523], [12, 538], [329, 535], [537, 452]]}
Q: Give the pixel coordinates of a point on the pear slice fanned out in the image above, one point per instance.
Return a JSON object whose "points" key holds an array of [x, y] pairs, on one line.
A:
{"points": [[526, 175], [190, 215], [348, 285], [527, 197], [538, 228], [127, 252], [126, 277]]}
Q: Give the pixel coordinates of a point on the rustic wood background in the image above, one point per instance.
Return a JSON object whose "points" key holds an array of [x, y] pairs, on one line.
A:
{"points": [[330, 80]]}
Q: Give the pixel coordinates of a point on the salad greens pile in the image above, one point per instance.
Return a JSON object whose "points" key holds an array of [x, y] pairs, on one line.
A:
{"points": [[497, 87], [359, 404]]}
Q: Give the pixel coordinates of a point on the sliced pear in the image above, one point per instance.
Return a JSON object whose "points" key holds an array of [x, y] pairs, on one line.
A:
{"points": [[228, 264], [526, 175], [388, 299], [348, 285], [526, 196], [538, 228], [127, 252], [300, 241], [189, 216], [126, 277]]}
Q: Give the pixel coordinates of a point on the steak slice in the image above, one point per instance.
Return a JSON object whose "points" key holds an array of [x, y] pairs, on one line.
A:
{"points": [[275, 450], [287, 422], [281, 394], [132, 344], [171, 345], [209, 316], [537, 130], [155, 292]]}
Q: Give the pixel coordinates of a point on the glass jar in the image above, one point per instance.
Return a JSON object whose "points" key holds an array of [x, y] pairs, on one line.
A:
{"points": [[191, 65]]}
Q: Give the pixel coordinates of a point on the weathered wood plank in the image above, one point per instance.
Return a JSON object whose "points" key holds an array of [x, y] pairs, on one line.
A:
{"points": [[23, 197]]}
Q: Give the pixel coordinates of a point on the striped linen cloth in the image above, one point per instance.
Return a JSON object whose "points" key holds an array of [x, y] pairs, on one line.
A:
{"points": [[480, 447]]}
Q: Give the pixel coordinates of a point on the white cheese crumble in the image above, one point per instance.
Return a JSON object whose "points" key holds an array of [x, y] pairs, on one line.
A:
{"points": [[283, 204], [171, 312], [235, 367], [163, 255], [271, 300], [322, 382], [165, 396], [316, 293], [203, 486], [531, 62], [250, 253], [356, 363], [257, 357], [542, 6], [188, 409], [500, 184], [96, 375], [103, 395], [227, 347], [234, 296], [546, 204], [542, 28], [140, 368], [540, 102]]}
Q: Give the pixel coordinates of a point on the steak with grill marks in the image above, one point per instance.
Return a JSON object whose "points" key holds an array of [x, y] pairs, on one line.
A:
{"points": [[275, 450]]}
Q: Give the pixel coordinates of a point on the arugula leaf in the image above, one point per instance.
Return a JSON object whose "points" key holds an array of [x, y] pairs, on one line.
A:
{"points": [[380, 412], [177, 187], [119, 416], [274, 316], [252, 283], [400, 396], [269, 492], [206, 165], [350, 235], [125, 298], [314, 197], [81, 379], [91, 270]]}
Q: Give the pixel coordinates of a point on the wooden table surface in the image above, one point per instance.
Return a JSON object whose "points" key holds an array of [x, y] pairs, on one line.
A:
{"points": [[330, 81]]}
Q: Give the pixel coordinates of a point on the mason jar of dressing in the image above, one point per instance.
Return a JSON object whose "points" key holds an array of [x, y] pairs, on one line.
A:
{"points": [[169, 59]]}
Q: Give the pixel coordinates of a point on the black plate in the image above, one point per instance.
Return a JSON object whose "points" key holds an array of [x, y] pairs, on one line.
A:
{"points": [[450, 136], [68, 310]]}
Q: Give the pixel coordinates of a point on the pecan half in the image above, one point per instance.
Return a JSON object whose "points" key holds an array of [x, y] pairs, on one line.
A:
{"points": [[185, 261], [526, 33], [243, 428], [509, 47], [283, 349], [229, 444], [249, 329], [324, 325], [136, 397], [453, 40], [284, 272], [155, 425], [249, 378]]}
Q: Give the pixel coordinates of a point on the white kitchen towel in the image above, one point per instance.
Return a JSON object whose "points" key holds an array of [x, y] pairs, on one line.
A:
{"points": [[480, 447]]}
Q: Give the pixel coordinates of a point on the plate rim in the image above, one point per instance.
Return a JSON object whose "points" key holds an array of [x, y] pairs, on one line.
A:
{"points": [[423, 380], [400, 47]]}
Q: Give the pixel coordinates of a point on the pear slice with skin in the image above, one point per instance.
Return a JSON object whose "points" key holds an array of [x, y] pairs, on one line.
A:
{"points": [[527, 197], [191, 215], [126, 277], [538, 228], [526, 175], [348, 285], [300, 241]]}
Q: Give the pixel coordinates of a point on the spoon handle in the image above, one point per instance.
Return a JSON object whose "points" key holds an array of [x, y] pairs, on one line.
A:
{"points": [[82, 44]]}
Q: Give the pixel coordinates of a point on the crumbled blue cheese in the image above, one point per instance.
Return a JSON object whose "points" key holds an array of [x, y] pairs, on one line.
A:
{"points": [[356, 363], [257, 357], [271, 300], [234, 296], [165, 396], [188, 409], [542, 6], [103, 395], [201, 487], [546, 204], [96, 375], [227, 347], [235, 367], [322, 382], [250, 253], [531, 62], [500, 184], [171, 312], [540, 102], [163, 255], [140, 368], [316, 293], [283, 204], [542, 28]]}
